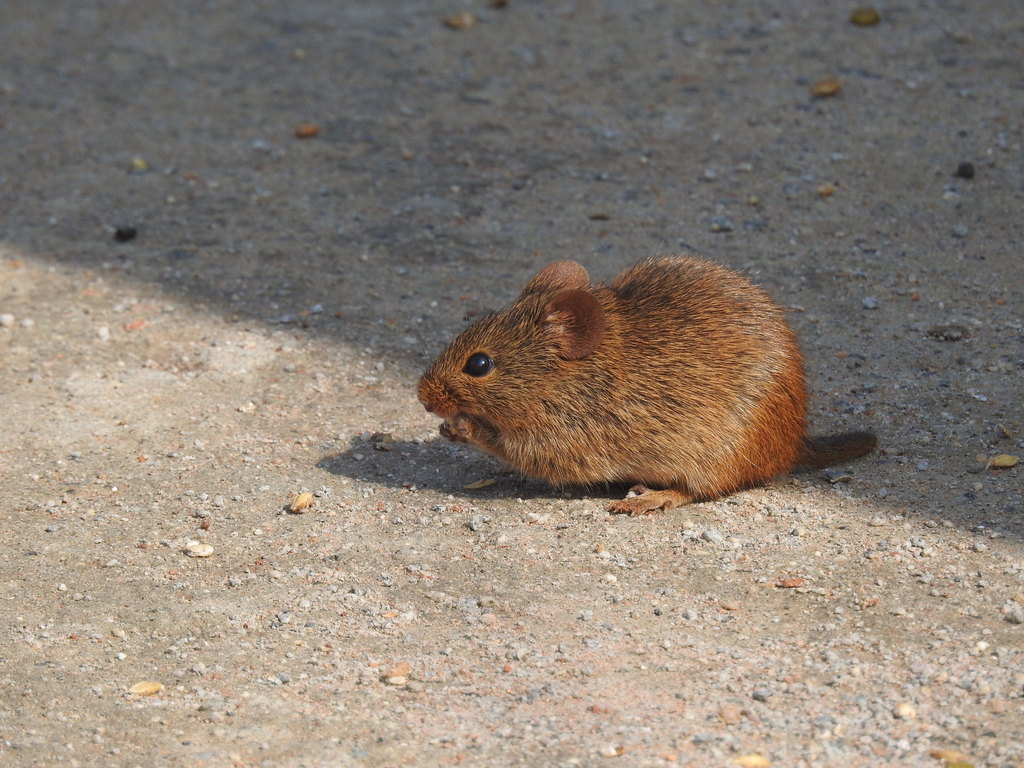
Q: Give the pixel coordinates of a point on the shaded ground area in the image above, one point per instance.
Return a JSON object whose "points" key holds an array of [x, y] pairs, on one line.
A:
{"points": [[264, 312]]}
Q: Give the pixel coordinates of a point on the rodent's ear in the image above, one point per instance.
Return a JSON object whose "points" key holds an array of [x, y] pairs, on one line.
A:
{"points": [[576, 321], [558, 275]]}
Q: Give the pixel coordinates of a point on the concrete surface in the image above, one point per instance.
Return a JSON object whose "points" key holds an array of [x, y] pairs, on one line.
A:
{"points": [[281, 295]]}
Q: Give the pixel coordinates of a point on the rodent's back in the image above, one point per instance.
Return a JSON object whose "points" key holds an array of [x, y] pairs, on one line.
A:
{"points": [[708, 378]]}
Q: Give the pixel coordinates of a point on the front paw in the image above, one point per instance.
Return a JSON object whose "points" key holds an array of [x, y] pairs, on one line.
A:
{"points": [[458, 429]]}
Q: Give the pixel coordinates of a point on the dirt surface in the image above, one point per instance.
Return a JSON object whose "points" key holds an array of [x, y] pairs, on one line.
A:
{"points": [[256, 326]]}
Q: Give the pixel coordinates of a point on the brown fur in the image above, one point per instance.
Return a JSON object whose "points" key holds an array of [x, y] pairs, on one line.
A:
{"points": [[679, 374]]}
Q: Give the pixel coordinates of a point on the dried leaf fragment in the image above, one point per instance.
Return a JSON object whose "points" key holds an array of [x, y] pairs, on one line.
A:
{"points": [[865, 17], [753, 760], [398, 675], [146, 688], [949, 756], [1003, 461], [477, 484], [825, 88], [791, 583], [300, 503], [460, 20], [307, 131]]}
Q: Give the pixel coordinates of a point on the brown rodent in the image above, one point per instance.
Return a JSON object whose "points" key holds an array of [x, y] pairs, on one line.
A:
{"points": [[680, 375]]}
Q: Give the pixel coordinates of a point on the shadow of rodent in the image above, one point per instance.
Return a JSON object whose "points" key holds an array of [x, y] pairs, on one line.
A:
{"points": [[475, 477], [435, 465]]}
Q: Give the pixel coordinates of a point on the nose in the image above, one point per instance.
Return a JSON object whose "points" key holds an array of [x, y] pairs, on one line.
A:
{"points": [[424, 395], [436, 399]]}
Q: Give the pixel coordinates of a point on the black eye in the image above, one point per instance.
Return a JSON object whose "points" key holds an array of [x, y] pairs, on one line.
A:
{"points": [[478, 364]]}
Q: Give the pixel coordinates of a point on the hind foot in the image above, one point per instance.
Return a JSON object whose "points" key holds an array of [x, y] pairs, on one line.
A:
{"points": [[646, 501]]}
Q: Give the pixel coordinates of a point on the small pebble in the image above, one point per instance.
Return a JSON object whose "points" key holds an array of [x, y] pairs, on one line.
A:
{"points": [[7, 320], [125, 234], [1013, 613], [730, 714], [197, 549], [904, 711], [948, 332], [762, 694], [965, 170], [103, 333], [960, 230], [720, 223], [835, 475], [869, 302]]}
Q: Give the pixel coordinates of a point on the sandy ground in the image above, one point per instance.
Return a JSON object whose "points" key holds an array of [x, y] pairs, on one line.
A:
{"points": [[280, 297]]}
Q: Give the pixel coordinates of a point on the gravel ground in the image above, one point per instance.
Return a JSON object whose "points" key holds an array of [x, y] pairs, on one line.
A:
{"points": [[203, 315]]}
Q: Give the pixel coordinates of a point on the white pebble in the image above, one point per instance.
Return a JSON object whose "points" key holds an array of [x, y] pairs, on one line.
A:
{"points": [[196, 549], [7, 320], [904, 711]]}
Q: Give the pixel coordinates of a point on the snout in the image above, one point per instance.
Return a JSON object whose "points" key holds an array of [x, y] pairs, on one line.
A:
{"points": [[436, 399]]}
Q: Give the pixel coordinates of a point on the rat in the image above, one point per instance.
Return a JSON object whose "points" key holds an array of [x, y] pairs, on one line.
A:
{"points": [[680, 377]]}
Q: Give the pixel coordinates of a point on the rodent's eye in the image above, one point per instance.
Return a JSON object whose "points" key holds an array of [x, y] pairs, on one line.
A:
{"points": [[478, 364]]}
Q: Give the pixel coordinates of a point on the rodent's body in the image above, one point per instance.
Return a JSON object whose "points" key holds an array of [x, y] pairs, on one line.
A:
{"points": [[679, 374]]}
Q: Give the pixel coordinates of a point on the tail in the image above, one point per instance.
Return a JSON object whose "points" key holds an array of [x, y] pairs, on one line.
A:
{"points": [[819, 452]]}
